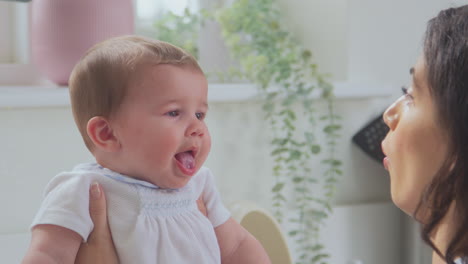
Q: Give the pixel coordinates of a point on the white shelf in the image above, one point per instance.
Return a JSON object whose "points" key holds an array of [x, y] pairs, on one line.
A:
{"points": [[50, 96]]}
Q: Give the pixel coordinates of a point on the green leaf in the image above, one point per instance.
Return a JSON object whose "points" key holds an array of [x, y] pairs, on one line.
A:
{"points": [[268, 107], [336, 163], [293, 233], [328, 129], [291, 114], [278, 187], [317, 247], [277, 168], [306, 54], [300, 189], [294, 155], [319, 257], [289, 100], [318, 214], [297, 144], [279, 159], [298, 179], [272, 95], [280, 141], [315, 149], [312, 180], [279, 151], [331, 180], [288, 124], [337, 171]]}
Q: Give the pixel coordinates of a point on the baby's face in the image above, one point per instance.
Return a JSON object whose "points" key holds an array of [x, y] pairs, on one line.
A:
{"points": [[161, 125]]}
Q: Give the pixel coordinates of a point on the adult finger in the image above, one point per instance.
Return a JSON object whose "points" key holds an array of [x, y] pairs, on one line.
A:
{"points": [[201, 205], [99, 248]]}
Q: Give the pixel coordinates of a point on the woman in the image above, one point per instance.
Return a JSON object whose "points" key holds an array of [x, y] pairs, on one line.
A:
{"points": [[425, 149], [427, 145]]}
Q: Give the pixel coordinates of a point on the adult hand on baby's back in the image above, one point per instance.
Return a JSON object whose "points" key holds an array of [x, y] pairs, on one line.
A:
{"points": [[99, 249]]}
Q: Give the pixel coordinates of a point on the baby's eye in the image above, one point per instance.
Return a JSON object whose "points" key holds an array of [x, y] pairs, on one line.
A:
{"points": [[173, 113], [200, 116]]}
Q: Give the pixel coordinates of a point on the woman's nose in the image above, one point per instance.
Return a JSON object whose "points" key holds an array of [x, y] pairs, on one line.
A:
{"points": [[391, 116]]}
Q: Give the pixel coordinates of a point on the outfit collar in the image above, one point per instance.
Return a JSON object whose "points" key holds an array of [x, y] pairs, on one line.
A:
{"points": [[115, 175]]}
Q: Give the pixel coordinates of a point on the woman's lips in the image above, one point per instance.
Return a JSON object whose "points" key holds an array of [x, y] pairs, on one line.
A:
{"points": [[385, 162]]}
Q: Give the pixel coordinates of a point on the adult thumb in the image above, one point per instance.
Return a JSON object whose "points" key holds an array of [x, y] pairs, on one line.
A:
{"points": [[99, 248], [98, 210]]}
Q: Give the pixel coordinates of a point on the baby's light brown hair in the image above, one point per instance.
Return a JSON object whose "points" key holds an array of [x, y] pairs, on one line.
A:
{"points": [[99, 81]]}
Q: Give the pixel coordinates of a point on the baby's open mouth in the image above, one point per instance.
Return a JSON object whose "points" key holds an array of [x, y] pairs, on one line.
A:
{"points": [[186, 158]]}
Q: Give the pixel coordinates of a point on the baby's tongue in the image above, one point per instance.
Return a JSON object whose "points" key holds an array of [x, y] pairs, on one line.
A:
{"points": [[186, 159]]}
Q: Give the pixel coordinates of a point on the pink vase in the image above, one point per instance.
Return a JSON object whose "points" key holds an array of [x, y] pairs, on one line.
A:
{"points": [[62, 31]]}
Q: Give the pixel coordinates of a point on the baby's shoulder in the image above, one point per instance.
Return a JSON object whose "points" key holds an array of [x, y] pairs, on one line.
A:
{"points": [[80, 177], [203, 174], [202, 180]]}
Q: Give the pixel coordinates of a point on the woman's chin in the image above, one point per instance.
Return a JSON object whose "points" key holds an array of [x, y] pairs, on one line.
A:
{"points": [[404, 204]]}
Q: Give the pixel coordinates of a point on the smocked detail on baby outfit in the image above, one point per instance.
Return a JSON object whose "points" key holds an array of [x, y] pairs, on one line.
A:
{"points": [[154, 200], [164, 201]]}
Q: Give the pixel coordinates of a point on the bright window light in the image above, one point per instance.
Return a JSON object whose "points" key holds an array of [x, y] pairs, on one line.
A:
{"points": [[151, 9]]}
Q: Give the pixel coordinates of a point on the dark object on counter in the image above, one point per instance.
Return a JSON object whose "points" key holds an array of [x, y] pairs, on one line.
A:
{"points": [[370, 137]]}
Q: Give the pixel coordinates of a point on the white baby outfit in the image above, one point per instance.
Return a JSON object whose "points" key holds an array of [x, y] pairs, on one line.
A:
{"points": [[148, 224]]}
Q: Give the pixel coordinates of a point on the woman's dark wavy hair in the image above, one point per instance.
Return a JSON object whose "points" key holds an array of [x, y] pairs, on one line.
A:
{"points": [[446, 56]]}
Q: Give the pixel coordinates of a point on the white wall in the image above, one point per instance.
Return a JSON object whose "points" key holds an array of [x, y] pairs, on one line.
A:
{"points": [[363, 41]]}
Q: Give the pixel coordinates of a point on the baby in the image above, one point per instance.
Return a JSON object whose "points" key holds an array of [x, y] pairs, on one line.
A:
{"points": [[140, 106]]}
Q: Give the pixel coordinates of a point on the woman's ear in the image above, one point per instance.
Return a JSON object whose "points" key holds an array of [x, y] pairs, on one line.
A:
{"points": [[102, 135]]}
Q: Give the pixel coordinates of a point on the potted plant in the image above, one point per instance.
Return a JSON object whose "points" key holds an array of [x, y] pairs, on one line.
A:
{"points": [[291, 87]]}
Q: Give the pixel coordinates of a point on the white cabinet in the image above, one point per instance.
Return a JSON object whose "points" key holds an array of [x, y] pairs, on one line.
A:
{"points": [[364, 234]]}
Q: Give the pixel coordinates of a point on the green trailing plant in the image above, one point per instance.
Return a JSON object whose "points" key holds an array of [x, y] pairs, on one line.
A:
{"points": [[181, 30], [271, 57], [292, 87]]}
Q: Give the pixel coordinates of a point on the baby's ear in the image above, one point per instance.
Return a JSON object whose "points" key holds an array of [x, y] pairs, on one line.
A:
{"points": [[102, 134]]}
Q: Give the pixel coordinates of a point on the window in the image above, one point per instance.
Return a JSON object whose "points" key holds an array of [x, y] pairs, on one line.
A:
{"points": [[148, 11], [5, 30], [14, 32], [15, 67], [15, 62]]}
